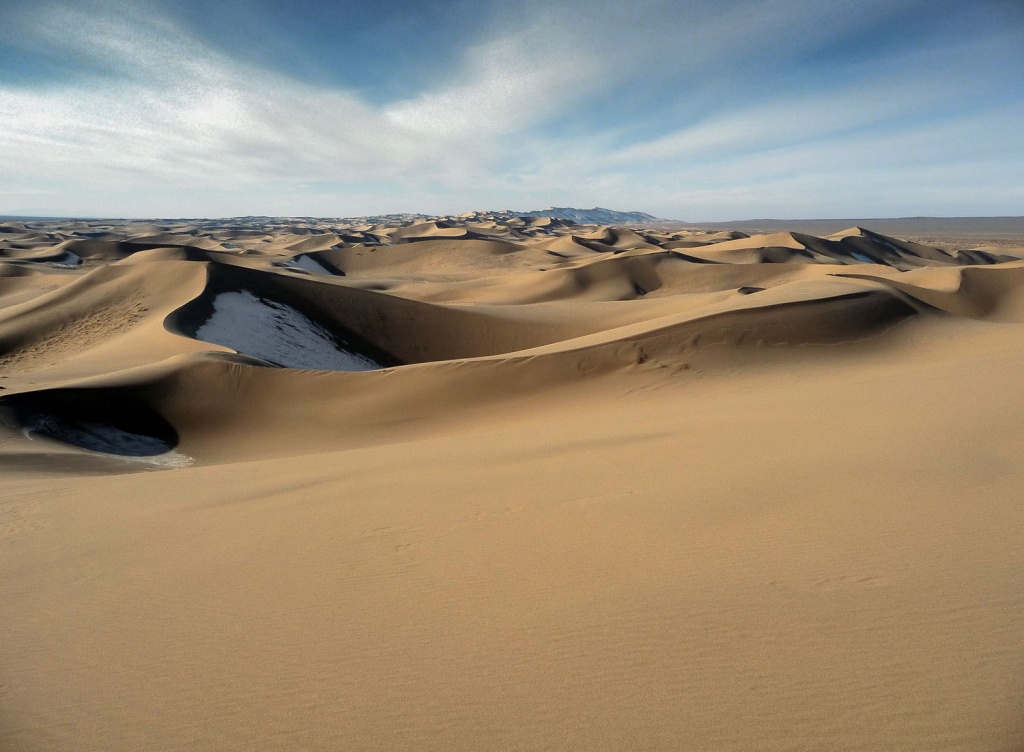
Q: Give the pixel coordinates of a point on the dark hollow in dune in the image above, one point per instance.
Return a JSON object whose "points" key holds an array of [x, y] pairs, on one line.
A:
{"points": [[98, 420], [277, 320]]}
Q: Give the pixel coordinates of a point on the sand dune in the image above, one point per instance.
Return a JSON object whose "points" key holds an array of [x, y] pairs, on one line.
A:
{"points": [[486, 482]]}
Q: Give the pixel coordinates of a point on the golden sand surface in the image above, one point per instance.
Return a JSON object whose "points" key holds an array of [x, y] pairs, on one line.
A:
{"points": [[598, 489]]}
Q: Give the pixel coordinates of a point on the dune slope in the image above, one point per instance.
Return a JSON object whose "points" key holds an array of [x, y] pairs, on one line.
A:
{"points": [[497, 483]]}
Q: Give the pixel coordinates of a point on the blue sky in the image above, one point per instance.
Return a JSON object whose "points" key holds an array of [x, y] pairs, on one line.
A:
{"points": [[693, 110]]}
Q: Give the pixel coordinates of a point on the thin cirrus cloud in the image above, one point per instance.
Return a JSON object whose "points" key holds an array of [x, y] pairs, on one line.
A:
{"points": [[690, 110], [180, 117]]}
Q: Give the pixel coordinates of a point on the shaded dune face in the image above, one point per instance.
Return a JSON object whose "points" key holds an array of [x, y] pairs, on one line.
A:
{"points": [[97, 420], [386, 329], [258, 314], [278, 334]]}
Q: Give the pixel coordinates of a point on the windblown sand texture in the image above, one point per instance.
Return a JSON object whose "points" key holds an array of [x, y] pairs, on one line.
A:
{"points": [[488, 483]]}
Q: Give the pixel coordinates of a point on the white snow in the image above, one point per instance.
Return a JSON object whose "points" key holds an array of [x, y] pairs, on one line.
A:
{"points": [[278, 334], [167, 460], [69, 260], [310, 264]]}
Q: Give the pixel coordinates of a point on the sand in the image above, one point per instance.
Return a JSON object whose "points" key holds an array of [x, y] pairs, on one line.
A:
{"points": [[564, 487]]}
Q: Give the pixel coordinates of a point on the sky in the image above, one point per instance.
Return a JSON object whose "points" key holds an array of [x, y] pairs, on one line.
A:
{"points": [[698, 110]]}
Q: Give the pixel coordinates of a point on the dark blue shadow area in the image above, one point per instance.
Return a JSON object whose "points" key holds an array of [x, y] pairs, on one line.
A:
{"points": [[106, 421]]}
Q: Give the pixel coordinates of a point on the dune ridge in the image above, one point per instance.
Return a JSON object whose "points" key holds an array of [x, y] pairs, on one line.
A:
{"points": [[500, 482]]}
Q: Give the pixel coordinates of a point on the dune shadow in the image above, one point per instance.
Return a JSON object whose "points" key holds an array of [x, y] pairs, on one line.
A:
{"points": [[257, 315], [279, 334], [98, 420]]}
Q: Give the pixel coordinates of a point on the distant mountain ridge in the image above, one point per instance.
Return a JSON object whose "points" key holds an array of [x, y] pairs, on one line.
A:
{"points": [[568, 214], [595, 216]]}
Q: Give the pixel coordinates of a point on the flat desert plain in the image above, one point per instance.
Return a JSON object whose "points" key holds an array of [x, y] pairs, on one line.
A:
{"points": [[489, 483]]}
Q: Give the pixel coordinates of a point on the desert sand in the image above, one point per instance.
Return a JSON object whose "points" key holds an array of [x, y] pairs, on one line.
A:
{"points": [[488, 483]]}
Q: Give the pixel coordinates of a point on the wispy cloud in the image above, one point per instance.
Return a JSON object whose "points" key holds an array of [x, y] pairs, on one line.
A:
{"points": [[505, 85], [181, 113], [163, 122]]}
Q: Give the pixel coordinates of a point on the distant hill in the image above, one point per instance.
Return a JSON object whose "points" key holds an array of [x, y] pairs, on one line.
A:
{"points": [[595, 216], [902, 227]]}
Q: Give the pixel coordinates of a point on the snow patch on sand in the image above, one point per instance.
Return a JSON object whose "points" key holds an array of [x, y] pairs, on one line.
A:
{"points": [[69, 260], [167, 460], [105, 438], [278, 334], [310, 264]]}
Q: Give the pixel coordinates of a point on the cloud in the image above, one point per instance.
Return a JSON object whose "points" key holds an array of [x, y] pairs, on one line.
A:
{"points": [[505, 85], [179, 113], [966, 164], [658, 105]]}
